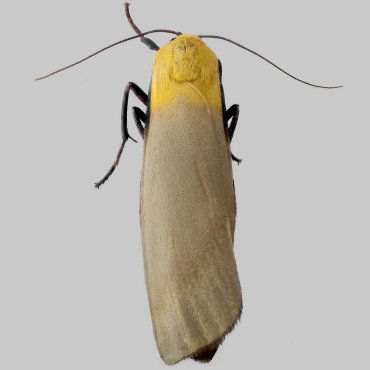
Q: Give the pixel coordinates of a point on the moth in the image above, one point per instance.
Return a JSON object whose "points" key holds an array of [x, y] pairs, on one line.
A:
{"points": [[187, 203]]}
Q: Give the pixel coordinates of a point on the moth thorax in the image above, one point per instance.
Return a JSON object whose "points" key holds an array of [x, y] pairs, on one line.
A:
{"points": [[191, 58]]}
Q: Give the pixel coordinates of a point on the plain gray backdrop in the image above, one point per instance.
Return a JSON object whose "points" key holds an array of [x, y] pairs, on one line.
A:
{"points": [[72, 285]]}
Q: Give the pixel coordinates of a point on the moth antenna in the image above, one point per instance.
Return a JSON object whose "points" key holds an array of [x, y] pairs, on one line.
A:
{"points": [[268, 61], [105, 48], [148, 42]]}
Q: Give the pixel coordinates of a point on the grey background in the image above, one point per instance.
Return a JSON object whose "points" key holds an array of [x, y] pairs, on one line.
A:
{"points": [[71, 273]]}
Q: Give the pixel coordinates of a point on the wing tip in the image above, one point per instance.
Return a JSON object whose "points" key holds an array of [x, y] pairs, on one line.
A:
{"points": [[206, 353]]}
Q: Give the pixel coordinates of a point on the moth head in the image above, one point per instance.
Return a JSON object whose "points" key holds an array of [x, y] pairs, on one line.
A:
{"points": [[187, 58]]}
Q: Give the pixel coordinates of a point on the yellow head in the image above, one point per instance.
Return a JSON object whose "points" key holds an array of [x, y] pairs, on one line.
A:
{"points": [[186, 69]]}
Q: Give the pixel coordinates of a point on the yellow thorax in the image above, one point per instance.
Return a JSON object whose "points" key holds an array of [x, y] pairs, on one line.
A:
{"points": [[185, 70]]}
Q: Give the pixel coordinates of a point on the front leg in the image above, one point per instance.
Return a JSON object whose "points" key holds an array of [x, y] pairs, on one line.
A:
{"points": [[233, 113], [143, 98], [125, 135], [140, 119]]}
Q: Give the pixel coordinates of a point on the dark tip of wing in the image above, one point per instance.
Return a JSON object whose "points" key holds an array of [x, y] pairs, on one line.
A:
{"points": [[206, 354]]}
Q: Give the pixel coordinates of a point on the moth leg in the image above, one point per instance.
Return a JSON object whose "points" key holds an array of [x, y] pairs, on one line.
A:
{"points": [[142, 97], [236, 159], [113, 167], [140, 118], [233, 113], [125, 135]]}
